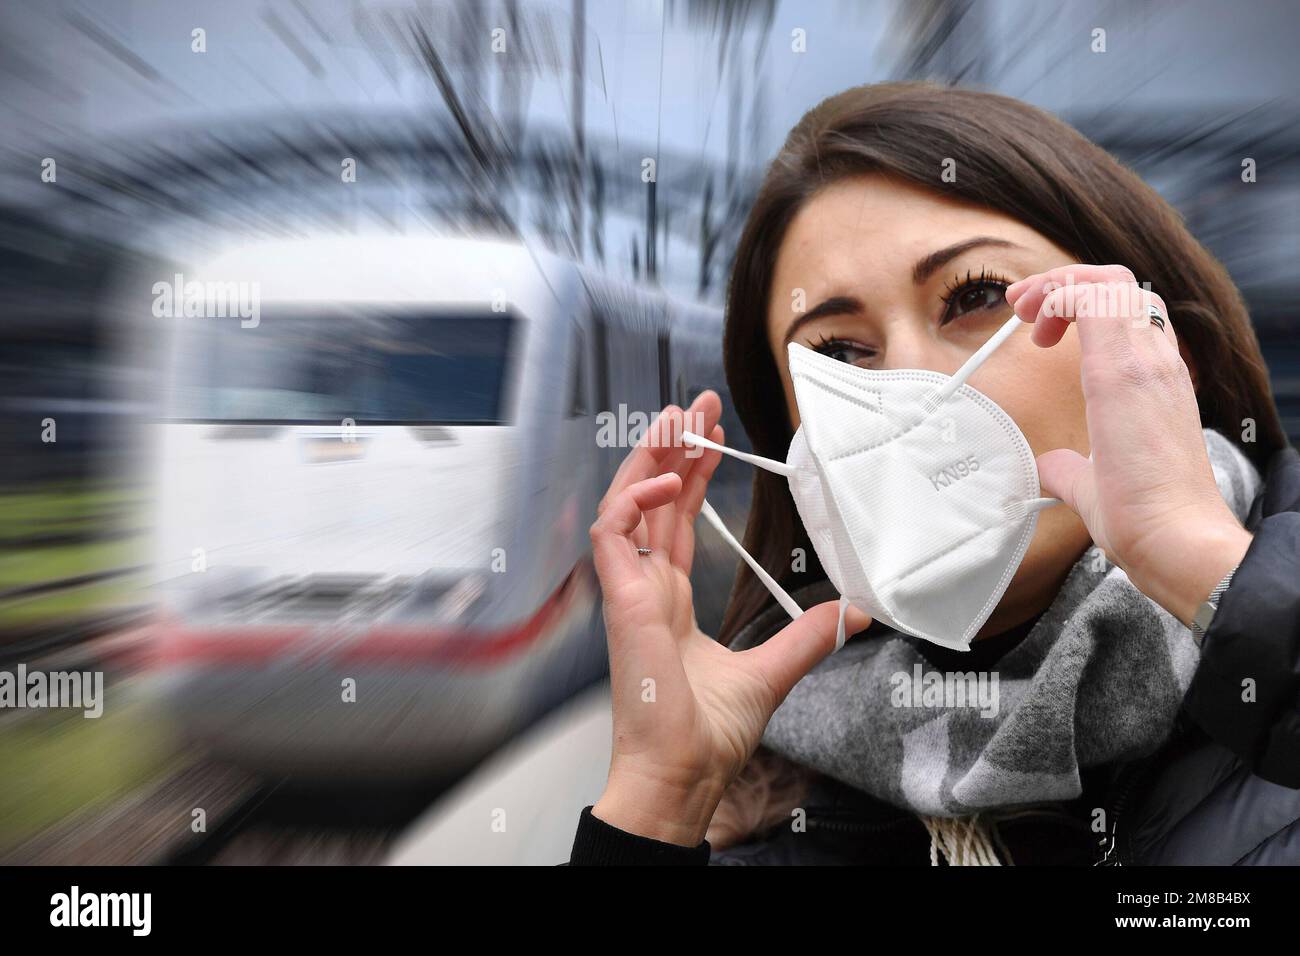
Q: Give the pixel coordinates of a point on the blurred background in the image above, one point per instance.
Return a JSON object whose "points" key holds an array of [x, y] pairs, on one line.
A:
{"points": [[324, 323]]}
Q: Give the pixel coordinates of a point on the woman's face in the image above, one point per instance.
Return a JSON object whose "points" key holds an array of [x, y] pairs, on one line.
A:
{"points": [[893, 276]]}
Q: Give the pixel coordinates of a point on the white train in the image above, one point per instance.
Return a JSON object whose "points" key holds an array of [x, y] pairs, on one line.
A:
{"points": [[374, 485]]}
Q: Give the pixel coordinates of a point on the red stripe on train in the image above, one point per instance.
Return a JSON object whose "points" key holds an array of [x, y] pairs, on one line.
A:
{"points": [[405, 644]]}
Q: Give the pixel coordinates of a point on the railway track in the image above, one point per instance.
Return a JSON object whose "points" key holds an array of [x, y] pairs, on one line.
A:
{"points": [[38, 645], [286, 823], [248, 821], [147, 826], [247, 818]]}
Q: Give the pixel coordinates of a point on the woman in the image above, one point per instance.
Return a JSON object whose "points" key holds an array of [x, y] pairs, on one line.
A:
{"points": [[899, 228]]}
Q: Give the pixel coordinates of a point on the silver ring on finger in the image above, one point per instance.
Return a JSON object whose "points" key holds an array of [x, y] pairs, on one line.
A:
{"points": [[1156, 316], [645, 552]]}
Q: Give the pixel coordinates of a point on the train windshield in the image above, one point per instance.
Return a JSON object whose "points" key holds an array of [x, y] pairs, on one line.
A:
{"points": [[315, 368]]}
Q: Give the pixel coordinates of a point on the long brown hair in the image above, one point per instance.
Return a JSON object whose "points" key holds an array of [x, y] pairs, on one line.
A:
{"points": [[1017, 160]]}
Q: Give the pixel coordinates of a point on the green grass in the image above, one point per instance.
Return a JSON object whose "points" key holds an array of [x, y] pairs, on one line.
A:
{"points": [[55, 764], [58, 763], [88, 508], [66, 507], [74, 603], [32, 565]]}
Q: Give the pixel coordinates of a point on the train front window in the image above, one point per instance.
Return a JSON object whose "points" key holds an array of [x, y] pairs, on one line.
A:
{"points": [[295, 367]]}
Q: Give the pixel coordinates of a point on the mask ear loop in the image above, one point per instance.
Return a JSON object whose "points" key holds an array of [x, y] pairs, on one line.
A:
{"points": [[758, 461], [933, 401], [782, 598], [778, 592], [840, 636], [788, 603], [1015, 509]]}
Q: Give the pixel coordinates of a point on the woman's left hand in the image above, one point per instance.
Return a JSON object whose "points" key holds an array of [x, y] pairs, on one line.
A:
{"points": [[1147, 492]]}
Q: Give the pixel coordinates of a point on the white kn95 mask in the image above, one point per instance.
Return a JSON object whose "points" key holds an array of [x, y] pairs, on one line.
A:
{"points": [[919, 493]]}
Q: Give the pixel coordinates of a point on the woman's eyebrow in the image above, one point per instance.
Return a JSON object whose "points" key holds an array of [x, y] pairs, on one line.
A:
{"points": [[928, 265], [924, 268], [835, 305]]}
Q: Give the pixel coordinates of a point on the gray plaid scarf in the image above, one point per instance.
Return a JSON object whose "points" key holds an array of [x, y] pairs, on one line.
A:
{"points": [[1098, 678]]}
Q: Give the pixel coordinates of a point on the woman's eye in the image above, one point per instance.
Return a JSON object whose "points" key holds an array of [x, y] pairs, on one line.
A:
{"points": [[977, 296], [845, 352]]}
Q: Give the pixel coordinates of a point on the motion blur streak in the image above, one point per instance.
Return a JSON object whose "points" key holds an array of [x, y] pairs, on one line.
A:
{"points": [[326, 323]]}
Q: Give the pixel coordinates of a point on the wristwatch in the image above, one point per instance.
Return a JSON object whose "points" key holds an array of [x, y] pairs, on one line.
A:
{"points": [[1205, 613]]}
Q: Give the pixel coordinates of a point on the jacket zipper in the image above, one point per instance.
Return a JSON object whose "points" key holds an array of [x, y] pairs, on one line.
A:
{"points": [[1128, 779]]}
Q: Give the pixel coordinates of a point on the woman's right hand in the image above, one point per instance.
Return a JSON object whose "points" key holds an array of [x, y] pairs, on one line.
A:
{"points": [[688, 712]]}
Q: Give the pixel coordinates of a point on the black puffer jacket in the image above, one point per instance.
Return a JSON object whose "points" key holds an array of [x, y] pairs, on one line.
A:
{"points": [[1231, 797], [1223, 790]]}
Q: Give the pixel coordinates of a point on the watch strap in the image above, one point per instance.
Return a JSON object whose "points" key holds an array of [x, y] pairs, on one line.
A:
{"points": [[1204, 616]]}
